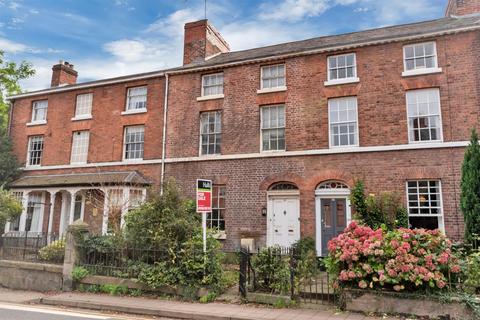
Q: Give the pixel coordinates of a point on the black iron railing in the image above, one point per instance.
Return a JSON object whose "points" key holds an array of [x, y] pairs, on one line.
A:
{"points": [[286, 271], [26, 246], [127, 261]]}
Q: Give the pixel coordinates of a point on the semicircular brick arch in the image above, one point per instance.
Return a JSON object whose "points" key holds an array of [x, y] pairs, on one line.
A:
{"points": [[328, 175], [282, 177]]}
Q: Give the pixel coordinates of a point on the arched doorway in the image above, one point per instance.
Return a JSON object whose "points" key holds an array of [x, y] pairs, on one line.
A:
{"points": [[283, 214], [332, 212]]}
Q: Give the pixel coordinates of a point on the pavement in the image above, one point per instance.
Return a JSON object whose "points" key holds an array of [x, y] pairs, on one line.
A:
{"points": [[175, 309]]}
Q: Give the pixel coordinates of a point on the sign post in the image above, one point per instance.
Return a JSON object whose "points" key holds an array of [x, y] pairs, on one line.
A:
{"points": [[204, 205]]}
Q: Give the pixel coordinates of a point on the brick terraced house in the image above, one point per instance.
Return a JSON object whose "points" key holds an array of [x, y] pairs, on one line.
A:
{"points": [[283, 131]]}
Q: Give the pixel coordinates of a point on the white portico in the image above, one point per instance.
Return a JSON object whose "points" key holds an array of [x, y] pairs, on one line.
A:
{"points": [[52, 202]]}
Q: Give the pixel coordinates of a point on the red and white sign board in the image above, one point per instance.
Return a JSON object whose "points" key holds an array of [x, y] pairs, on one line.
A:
{"points": [[204, 195]]}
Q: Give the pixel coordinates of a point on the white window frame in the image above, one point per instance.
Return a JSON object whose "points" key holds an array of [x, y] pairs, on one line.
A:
{"points": [[124, 158], [216, 206], [277, 88], [212, 96], [134, 111], [29, 151], [34, 121], [272, 128], [440, 216], [330, 123], [202, 114], [80, 150], [420, 71], [88, 99], [353, 79], [440, 130]]}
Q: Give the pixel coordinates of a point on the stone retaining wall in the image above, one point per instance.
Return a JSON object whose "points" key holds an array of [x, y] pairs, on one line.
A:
{"points": [[392, 303], [30, 276]]}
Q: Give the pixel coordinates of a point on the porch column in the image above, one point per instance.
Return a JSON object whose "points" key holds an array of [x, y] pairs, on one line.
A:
{"points": [[23, 216], [53, 195], [106, 210], [73, 194], [125, 205]]}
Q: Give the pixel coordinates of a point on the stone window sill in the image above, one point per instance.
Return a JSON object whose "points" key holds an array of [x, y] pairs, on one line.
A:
{"points": [[269, 90], [36, 123], [128, 112], [421, 72], [80, 118], [341, 81], [211, 97]]}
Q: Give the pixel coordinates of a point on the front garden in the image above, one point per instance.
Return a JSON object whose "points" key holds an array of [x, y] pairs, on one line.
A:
{"points": [[159, 250]]}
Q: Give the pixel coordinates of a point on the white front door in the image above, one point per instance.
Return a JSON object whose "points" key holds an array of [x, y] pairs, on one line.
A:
{"points": [[283, 222]]}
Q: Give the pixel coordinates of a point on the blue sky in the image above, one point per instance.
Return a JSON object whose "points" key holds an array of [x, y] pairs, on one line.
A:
{"points": [[107, 38]]}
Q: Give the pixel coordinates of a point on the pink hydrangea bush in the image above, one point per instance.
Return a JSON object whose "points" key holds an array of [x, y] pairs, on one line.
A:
{"points": [[402, 259]]}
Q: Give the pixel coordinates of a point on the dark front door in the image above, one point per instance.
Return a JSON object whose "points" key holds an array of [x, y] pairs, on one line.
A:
{"points": [[334, 220]]}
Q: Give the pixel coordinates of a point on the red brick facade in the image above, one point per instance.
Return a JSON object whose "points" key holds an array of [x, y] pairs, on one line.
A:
{"points": [[384, 159]]}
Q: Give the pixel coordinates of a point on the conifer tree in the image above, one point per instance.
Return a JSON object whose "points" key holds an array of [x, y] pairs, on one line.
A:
{"points": [[470, 189]]}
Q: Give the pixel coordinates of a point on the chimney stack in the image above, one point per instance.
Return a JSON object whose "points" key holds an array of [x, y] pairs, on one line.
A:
{"points": [[462, 7], [63, 74], [201, 42]]}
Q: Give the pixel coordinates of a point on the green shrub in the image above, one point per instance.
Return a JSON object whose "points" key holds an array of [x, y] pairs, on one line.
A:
{"points": [[210, 297], [385, 210], [54, 252], [472, 273], [272, 270], [114, 289], [78, 273], [188, 266], [402, 259]]}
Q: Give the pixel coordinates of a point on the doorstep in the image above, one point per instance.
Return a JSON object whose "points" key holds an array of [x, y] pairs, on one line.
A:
{"points": [[187, 310]]}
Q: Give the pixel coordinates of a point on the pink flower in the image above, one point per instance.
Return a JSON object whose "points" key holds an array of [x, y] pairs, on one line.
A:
{"points": [[455, 269], [363, 284]]}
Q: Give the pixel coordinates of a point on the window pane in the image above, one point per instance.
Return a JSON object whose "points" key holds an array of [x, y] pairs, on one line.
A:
{"points": [[273, 76], [84, 105], [137, 98], [423, 110], [343, 120], [80, 142], [134, 141], [409, 53], [210, 132], [273, 124]]}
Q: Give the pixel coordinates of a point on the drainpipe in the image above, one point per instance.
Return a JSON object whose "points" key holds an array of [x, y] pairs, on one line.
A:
{"points": [[164, 137], [9, 120]]}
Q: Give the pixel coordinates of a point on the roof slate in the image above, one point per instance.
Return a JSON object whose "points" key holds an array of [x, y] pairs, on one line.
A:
{"points": [[353, 39], [347, 39], [82, 179]]}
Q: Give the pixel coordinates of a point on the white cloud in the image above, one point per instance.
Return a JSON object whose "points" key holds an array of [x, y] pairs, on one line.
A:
{"points": [[14, 5], [293, 10], [160, 44], [12, 47]]}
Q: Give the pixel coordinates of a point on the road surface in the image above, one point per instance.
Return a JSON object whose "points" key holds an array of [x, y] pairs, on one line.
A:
{"points": [[22, 312]]}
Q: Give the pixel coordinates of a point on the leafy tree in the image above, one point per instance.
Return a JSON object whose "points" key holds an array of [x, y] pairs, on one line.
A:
{"points": [[470, 189], [10, 208], [384, 210], [10, 75]]}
